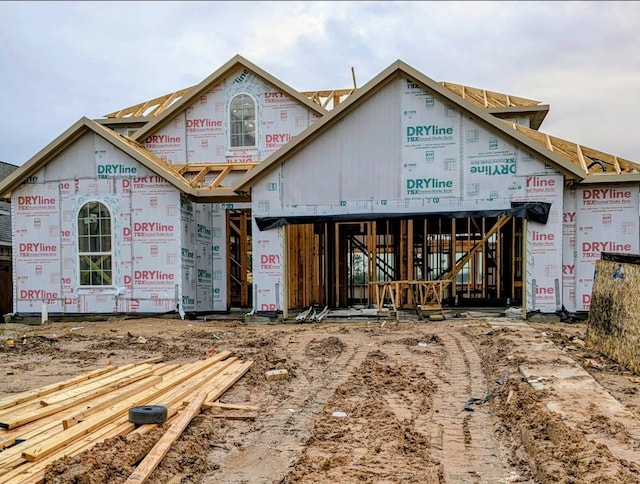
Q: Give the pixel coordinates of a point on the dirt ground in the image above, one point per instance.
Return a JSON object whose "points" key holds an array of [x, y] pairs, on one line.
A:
{"points": [[476, 398]]}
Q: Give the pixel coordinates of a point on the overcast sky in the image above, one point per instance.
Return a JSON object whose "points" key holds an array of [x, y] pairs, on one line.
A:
{"points": [[60, 61]]}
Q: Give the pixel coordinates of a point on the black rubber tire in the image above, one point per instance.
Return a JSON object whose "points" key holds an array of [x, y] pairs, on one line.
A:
{"points": [[147, 414]]}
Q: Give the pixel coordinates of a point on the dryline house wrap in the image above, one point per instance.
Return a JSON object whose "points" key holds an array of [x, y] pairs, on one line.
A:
{"points": [[133, 215]]}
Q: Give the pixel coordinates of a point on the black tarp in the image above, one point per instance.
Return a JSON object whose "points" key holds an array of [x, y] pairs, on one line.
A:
{"points": [[533, 211]]}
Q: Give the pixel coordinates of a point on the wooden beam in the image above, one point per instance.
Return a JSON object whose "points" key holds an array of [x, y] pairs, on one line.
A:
{"points": [[502, 220], [199, 177], [108, 415], [149, 463], [39, 392], [581, 159], [221, 177], [616, 164]]}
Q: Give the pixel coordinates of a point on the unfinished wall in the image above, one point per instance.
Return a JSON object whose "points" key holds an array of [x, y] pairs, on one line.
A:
{"points": [[544, 245], [606, 221], [145, 217], [200, 133], [406, 151], [569, 250]]}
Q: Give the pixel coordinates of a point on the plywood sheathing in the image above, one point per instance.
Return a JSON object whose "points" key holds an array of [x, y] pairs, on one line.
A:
{"points": [[614, 312]]}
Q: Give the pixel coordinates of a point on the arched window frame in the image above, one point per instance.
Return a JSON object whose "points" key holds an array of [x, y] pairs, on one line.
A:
{"points": [[95, 245], [243, 115]]}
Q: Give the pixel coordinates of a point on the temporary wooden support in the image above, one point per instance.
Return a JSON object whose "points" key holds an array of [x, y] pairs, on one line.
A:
{"points": [[423, 293]]}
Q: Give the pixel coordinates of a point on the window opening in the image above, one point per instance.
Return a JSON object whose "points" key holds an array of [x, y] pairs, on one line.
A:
{"points": [[94, 245], [242, 121]]}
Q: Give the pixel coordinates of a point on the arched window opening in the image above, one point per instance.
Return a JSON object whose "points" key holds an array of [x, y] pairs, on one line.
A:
{"points": [[242, 121], [94, 245]]}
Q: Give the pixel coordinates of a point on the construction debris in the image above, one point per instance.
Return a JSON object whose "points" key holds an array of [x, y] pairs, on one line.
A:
{"points": [[70, 417], [280, 374]]}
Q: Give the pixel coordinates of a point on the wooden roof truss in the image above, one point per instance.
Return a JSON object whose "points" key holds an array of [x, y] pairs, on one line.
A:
{"points": [[211, 176], [591, 161], [330, 99], [151, 108], [488, 99]]}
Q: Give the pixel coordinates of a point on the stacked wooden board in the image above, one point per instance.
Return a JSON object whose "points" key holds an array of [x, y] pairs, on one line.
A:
{"points": [[42, 425]]}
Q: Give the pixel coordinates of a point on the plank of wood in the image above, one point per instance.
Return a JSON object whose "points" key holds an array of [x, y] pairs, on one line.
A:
{"points": [[109, 414], [106, 384], [27, 414], [33, 403], [76, 413], [33, 472], [235, 415], [157, 453], [231, 406], [39, 392], [26, 471], [188, 388], [113, 398], [231, 378]]}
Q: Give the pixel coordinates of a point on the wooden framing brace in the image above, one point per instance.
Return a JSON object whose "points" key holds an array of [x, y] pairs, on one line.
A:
{"points": [[210, 175], [422, 293]]}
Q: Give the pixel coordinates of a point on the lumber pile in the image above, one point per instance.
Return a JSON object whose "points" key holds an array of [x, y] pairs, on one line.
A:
{"points": [[39, 426]]}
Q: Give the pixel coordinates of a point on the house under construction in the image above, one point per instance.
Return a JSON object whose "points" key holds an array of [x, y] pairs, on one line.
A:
{"points": [[241, 192]]}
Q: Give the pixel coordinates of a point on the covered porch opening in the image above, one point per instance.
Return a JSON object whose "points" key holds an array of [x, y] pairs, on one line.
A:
{"points": [[338, 264]]}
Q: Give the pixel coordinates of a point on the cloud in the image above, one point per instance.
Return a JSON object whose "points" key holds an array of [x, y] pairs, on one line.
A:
{"points": [[63, 60]]}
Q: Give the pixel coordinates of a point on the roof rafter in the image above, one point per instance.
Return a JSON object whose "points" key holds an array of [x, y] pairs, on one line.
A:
{"points": [[591, 161], [330, 99]]}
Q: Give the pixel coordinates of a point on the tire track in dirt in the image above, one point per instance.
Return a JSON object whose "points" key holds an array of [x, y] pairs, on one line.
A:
{"points": [[463, 438], [375, 440], [285, 426]]}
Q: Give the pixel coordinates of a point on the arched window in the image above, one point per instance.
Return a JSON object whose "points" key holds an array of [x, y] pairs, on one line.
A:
{"points": [[242, 121], [94, 245]]}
